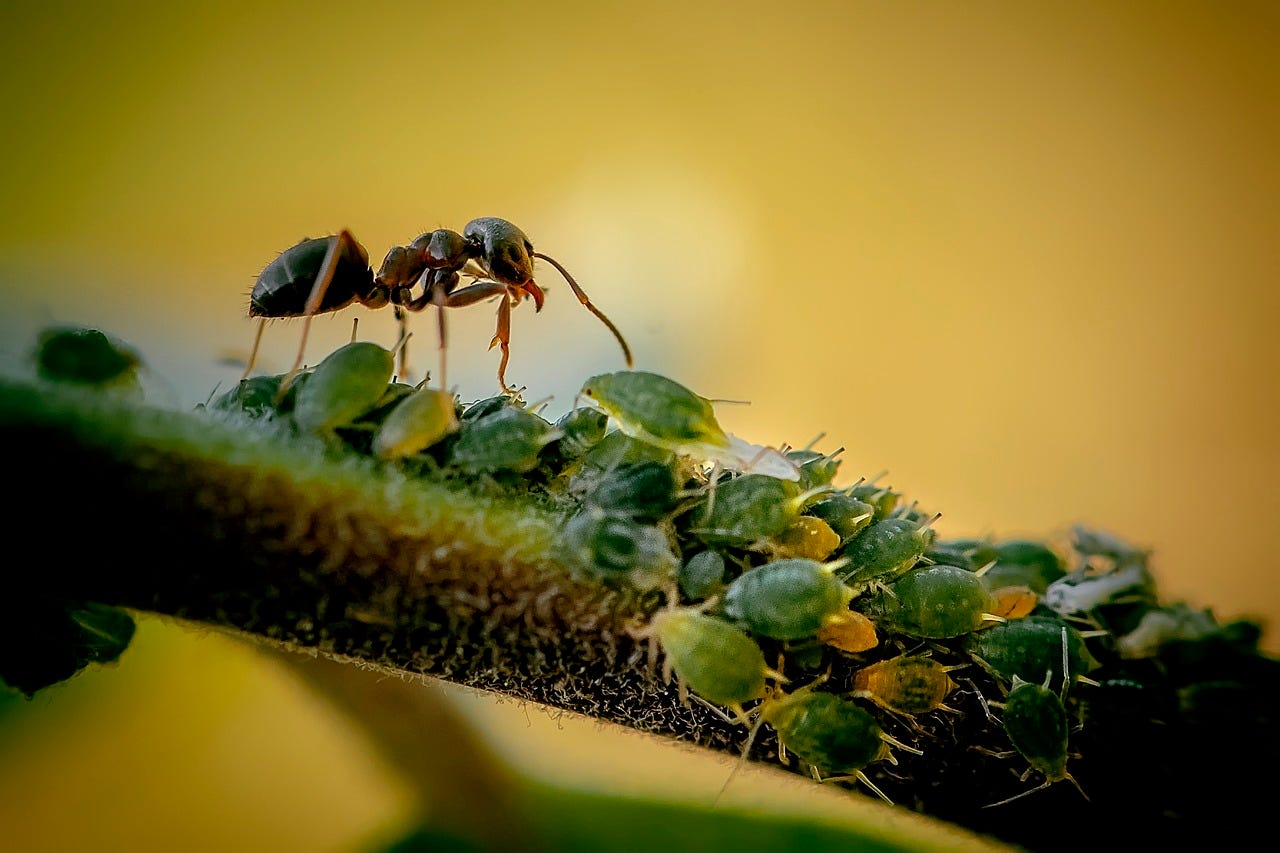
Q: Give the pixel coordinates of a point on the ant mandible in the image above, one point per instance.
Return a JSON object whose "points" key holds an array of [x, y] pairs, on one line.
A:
{"points": [[325, 274]]}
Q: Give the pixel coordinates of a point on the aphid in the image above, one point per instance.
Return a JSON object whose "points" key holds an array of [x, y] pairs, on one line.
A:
{"points": [[702, 575], [86, 357], [509, 439], [830, 733], [1029, 646], [1093, 545], [255, 396], [639, 489], [488, 406], [885, 550], [786, 599], [931, 602], [883, 498], [718, 661], [1019, 562], [617, 547], [1035, 720], [907, 684], [847, 515], [664, 413], [1161, 625], [581, 429], [816, 469], [326, 274], [345, 385], [807, 537], [1077, 593], [1013, 602], [854, 633], [749, 509], [416, 422]]}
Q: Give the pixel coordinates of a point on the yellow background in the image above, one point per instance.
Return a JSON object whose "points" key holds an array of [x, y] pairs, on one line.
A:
{"points": [[1021, 256]]}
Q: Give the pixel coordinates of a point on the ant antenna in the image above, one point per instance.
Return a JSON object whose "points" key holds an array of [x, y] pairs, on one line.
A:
{"points": [[586, 303]]}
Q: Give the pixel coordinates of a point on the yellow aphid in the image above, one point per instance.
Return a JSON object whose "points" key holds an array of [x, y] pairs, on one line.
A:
{"points": [[1013, 602], [851, 632], [807, 537]]}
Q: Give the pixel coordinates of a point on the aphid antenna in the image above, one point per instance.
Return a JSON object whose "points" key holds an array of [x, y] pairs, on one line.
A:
{"points": [[216, 386], [1041, 787], [731, 402], [815, 440], [871, 482]]}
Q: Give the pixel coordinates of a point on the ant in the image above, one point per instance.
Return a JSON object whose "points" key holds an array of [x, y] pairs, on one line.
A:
{"points": [[326, 274]]}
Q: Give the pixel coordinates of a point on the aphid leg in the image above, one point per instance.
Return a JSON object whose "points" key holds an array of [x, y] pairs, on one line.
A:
{"points": [[253, 354], [858, 776], [746, 752], [341, 243], [582, 297], [1046, 784]]}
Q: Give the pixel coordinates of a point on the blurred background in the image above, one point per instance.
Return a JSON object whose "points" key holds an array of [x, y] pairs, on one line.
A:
{"points": [[1021, 257]]}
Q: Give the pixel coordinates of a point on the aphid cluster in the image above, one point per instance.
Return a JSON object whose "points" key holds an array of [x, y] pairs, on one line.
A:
{"points": [[753, 563], [826, 626]]}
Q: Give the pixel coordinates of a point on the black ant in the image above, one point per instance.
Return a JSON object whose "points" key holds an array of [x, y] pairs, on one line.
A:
{"points": [[325, 274]]}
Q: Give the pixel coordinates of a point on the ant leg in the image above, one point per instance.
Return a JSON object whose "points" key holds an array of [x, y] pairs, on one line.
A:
{"points": [[403, 323], [470, 295], [503, 338], [439, 299], [253, 354], [582, 297], [340, 244]]}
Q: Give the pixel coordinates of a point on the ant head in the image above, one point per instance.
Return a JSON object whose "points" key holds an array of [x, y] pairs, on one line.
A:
{"points": [[511, 261]]}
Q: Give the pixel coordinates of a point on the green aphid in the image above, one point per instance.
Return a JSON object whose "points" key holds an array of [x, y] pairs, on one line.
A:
{"points": [[656, 409], [1021, 562], [641, 489], [1029, 647], [417, 422], [1036, 722], [786, 599], [748, 509], [509, 439], [931, 602], [488, 406], [954, 552], [618, 548], [816, 469], [391, 397], [611, 452], [348, 383], [885, 550], [831, 734], [883, 499], [702, 575], [86, 357], [256, 396], [848, 516], [906, 684], [715, 659], [580, 430]]}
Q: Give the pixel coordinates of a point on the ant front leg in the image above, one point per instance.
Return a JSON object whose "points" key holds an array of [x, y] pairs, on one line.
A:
{"points": [[479, 292]]}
